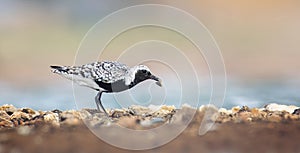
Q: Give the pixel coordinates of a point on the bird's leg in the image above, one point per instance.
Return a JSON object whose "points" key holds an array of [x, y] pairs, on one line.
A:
{"points": [[99, 103]]}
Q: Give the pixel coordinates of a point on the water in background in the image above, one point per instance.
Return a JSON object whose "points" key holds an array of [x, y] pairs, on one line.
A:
{"points": [[60, 96]]}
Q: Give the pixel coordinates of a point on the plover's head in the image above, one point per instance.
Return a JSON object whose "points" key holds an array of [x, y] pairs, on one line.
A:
{"points": [[141, 73]]}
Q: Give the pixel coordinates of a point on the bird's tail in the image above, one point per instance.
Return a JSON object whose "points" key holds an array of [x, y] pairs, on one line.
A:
{"points": [[59, 69]]}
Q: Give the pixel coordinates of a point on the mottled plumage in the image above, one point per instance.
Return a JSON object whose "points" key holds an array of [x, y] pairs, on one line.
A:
{"points": [[106, 76]]}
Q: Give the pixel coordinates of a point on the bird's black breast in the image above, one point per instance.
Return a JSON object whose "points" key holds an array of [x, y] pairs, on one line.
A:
{"points": [[117, 86]]}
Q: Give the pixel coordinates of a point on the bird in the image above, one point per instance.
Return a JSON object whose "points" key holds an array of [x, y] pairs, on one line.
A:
{"points": [[106, 77]]}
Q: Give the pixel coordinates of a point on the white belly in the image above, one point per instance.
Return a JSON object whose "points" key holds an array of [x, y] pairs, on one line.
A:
{"points": [[82, 81]]}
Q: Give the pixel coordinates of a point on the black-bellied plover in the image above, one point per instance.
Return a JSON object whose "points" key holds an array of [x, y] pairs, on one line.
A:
{"points": [[106, 76]]}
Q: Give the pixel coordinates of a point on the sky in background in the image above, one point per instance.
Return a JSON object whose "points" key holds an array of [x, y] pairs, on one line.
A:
{"points": [[259, 42]]}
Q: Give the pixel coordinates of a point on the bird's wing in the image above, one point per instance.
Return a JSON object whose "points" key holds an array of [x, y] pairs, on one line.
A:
{"points": [[106, 71]]}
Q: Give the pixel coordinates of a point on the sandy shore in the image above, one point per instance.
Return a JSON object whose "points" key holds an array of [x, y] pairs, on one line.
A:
{"points": [[241, 129]]}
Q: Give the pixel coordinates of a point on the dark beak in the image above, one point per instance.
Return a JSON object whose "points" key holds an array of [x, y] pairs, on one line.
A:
{"points": [[158, 81]]}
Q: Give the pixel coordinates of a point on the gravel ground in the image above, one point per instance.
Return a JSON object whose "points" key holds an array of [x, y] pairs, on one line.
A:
{"points": [[271, 129]]}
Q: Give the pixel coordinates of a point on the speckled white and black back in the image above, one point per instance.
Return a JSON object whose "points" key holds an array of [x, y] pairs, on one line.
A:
{"points": [[97, 74], [106, 71]]}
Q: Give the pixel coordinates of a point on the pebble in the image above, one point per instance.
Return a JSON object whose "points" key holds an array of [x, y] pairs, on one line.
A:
{"points": [[224, 111], [117, 113], [204, 108], [278, 107], [235, 109], [70, 117], [163, 111], [6, 123], [51, 118], [19, 118], [9, 109], [296, 111], [4, 116]]}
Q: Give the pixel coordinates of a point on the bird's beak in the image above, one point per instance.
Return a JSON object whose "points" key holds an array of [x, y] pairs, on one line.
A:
{"points": [[158, 80]]}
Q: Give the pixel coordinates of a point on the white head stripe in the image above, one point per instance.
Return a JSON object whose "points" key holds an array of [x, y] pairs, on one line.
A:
{"points": [[133, 71]]}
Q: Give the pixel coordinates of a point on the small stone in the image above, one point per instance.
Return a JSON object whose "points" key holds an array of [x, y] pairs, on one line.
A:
{"points": [[32, 113], [288, 116], [224, 111], [277, 107], [24, 117], [52, 118], [164, 111], [9, 109], [235, 109], [255, 111], [117, 113], [263, 115], [6, 123], [204, 108], [296, 111], [4, 115], [70, 117], [256, 114], [27, 110], [19, 116], [70, 114], [167, 109], [249, 119], [244, 109], [57, 111]]}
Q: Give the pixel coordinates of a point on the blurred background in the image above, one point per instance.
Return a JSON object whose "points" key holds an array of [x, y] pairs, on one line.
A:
{"points": [[259, 42]]}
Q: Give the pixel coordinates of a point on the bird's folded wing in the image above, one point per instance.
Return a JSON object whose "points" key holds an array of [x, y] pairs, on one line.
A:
{"points": [[109, 72]]}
